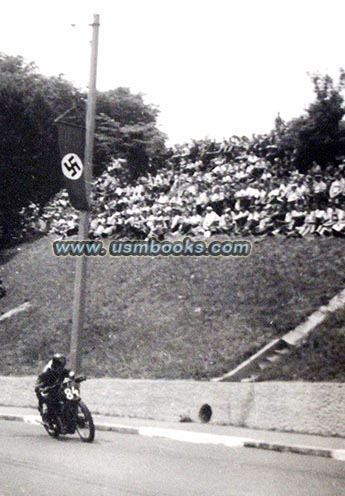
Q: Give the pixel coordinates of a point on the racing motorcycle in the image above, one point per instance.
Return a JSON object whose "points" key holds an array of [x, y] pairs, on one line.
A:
{"points": [[70, 414]]}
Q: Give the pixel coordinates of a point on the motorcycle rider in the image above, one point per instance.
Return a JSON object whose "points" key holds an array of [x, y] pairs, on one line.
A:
{"points": [[48, 382]]}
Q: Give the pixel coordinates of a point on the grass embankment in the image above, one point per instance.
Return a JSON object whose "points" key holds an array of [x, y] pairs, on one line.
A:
{"points": [[165, 317], [320, 358]]}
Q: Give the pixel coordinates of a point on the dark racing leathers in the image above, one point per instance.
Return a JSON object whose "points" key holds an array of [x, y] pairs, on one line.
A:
{"points": [[47, 386]]}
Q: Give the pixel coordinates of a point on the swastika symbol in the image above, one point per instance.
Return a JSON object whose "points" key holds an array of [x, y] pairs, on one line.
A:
{"points": [[72, 166]]}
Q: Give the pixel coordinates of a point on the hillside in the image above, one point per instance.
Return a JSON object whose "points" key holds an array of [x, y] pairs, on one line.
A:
{"points": [[168, 317], [320, 358], [182, 317]]}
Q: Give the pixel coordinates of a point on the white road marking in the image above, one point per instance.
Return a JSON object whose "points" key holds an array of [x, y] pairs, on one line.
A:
{"points": [[193, 437]]}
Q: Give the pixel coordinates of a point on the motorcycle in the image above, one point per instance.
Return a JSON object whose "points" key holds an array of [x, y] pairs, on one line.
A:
{"points": [[70, 414]]}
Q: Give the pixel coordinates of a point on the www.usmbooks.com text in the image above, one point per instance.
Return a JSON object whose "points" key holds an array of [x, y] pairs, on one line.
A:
{"points": [[152, 248]]}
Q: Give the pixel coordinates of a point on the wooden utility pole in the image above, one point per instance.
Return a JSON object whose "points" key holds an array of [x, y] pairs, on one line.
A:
{"points": [[81, 261]]}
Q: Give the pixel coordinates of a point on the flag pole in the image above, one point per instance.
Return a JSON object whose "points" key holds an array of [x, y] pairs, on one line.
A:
{"points": [[79, 296]]}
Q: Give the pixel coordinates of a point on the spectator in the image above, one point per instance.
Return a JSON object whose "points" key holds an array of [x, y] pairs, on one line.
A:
{"points": [[235, 187]]}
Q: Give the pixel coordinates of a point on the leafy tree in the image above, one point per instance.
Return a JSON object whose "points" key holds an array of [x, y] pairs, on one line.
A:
{"points": [[29, 155], [29, 158], [318, 135], [126, 127], [126, 108]]}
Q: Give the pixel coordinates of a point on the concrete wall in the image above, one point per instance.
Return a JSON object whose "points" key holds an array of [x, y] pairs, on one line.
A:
{"points": [[315, 408]]}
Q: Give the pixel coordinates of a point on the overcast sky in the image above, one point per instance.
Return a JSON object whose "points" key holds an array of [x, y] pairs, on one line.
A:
{"points": [[213, 67]]}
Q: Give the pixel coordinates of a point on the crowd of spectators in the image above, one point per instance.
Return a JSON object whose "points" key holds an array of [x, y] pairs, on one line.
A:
{"points": [[207, 188]]}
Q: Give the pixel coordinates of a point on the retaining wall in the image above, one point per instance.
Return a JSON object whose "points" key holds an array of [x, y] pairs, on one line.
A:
{"points": [[314, 408]]}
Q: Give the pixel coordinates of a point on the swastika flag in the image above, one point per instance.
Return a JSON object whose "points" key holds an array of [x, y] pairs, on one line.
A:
{"points": [[71, 145]]}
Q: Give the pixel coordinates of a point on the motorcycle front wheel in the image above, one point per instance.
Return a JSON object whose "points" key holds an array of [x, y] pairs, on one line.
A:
{"points": [[85, 425]]}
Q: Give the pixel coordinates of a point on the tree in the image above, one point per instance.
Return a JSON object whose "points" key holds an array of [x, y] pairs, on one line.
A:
{"points": [[126, 127], [29, 154], [319, 134], [29, 158]]}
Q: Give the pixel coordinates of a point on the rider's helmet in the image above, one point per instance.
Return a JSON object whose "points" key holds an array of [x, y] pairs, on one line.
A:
{"points": [[58, 361]]}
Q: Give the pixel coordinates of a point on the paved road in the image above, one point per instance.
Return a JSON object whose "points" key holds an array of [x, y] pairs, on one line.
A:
{"points": [[32, 464]]}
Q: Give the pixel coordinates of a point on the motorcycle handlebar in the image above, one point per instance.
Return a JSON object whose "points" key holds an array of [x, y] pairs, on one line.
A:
{"points": [[80, 378], [45, 390]]}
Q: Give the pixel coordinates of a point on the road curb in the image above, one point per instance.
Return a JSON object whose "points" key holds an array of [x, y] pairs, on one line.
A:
{"points": [[199, 438], [336, 454], [122, 429], [285, 448]]}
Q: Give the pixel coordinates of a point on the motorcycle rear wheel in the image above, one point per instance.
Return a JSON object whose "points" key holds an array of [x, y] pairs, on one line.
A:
{"points": [[85, 425]]}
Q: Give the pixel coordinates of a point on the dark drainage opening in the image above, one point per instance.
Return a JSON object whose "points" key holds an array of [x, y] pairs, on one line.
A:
{"points": [[205, 413]]}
